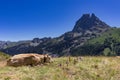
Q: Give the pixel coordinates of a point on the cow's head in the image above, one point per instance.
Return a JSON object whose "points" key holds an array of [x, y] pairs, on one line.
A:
{"points": [[47, 58]]}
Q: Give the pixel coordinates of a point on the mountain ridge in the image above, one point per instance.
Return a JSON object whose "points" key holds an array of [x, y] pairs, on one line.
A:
{"points": [[87, 27]]}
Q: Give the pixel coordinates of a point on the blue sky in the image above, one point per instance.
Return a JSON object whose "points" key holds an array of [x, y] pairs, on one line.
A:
{"points": [[26, 19]]}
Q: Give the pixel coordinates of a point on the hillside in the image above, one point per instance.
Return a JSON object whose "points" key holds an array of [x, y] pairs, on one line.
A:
{"points": [[64, 68], [107, 44], [25, 46], [8, 44], [113, 33]]}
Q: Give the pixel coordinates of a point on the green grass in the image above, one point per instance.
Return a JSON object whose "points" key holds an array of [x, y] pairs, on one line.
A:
{"points": [[113, 33], [3, 56], [89, 68]]}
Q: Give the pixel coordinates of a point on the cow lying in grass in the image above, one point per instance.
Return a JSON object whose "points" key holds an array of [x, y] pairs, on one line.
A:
{"points": [[28, 59]]}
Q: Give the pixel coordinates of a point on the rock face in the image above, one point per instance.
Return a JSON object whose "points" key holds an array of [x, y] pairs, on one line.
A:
{"points": [[87, 27], [38, 40], [88, 21]]}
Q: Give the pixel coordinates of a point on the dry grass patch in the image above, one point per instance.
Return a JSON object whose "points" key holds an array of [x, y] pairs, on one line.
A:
{"points": [[66, 68]]}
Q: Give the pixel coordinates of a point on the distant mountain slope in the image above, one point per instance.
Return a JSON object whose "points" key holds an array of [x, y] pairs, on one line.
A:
{"points": [[87, 27], [26, 47], [7, 44], [107, 44]]}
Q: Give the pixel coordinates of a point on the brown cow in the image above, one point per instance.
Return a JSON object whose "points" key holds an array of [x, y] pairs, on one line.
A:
{"points": [[28, 59]]}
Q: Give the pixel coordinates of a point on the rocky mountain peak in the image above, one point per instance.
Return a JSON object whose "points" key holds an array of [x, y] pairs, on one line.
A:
{"points": [[89, 26], [88, 21]]}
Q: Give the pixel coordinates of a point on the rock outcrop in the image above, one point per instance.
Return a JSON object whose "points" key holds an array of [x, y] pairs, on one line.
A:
{"points": [[88, 21]]}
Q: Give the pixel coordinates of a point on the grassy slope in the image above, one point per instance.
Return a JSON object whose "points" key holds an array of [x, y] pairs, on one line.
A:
{"points": [[3, 56], [90, 68], [114, 33]]}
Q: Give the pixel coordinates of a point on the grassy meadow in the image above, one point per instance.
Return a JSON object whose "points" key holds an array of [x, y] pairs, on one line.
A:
{"points": [[66, 68]]}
